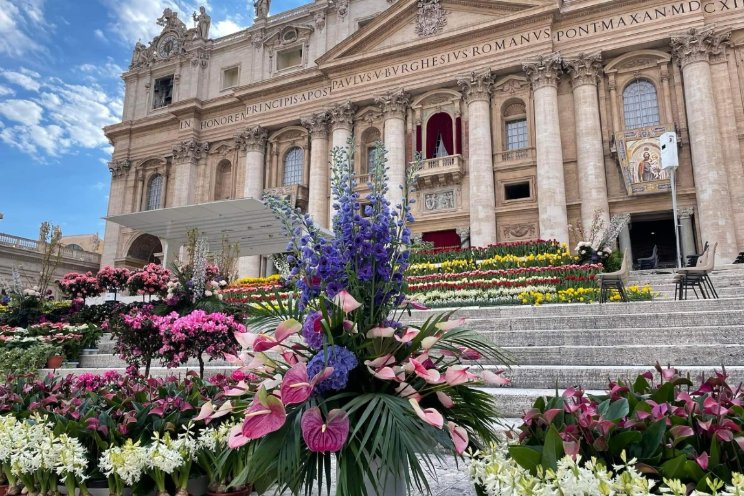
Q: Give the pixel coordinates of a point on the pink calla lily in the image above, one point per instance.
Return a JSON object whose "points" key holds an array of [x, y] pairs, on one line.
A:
{"points": [[346, 302], [322, 437], [429, 415], [459, 437], [265, 415]]}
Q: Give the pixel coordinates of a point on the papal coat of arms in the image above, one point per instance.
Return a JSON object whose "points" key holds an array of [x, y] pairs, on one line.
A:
{"points": [[431, 17]]}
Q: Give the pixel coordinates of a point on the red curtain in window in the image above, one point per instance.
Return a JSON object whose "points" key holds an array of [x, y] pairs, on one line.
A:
{"points": [[440, 123], [418, 138], [443, 239], [458, 136]]}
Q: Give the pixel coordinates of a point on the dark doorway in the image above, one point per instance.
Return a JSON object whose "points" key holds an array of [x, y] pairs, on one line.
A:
{"points": [[443, 239], [649, 230], [143, 250]]}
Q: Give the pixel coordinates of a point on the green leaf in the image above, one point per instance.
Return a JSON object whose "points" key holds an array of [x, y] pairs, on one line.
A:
{"points": [[623, 440], [528, 457], [674, 468], [553, 449], [715, 454], [665, 394], [617, 410], [652, 439]]}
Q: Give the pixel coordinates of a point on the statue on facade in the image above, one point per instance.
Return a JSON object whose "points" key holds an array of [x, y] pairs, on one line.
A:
{"points": [[139, 55], [203, 21], [262, 8]]}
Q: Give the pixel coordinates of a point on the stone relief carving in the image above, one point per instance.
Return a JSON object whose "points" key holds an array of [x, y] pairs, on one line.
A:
{"points": [[584, 69], [200, 57], [320, 20], [510, 86], [439, 200], [189, 150], [171, 41], [342, 115], [430, 18], [544, 71], [477, 87], [394, 103], [252, 139], [638, 62], [699, 45], [342, 7], [519, 231], [119, 168]]}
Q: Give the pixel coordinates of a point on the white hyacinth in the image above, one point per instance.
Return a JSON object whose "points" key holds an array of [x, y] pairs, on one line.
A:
{"points": [[72, 459], [163, 454], [125, 462]]}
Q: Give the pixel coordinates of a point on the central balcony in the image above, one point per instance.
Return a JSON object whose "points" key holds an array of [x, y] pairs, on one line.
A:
{"points": [[441, 170]]}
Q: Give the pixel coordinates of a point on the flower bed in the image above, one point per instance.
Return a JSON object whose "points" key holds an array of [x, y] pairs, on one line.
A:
{"points": [[582, 295]]}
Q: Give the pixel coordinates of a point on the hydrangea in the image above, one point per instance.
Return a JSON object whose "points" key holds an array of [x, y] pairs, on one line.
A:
{"points": [[341, 359], [312, 330]]}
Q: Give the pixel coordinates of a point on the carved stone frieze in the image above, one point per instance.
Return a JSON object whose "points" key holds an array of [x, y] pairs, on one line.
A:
{"points": [[342, 115], [685, 212], [477, 87], [189, 150], [511, 85], [199, 57], [320, 20], [584, 69], [394, 104], [317, 124], [439, 200], [430, 17], [519, 231], [252, 139], [120, 167], [699, 45], [545, 71]]}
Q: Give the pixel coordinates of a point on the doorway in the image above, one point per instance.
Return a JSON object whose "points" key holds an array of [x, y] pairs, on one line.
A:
{"points": [[443, 239], [649, 230]]}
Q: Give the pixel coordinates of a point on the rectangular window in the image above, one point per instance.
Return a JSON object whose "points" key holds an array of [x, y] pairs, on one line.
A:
{"points": [[517, 191], [516, 134], [289, 58], [230, 78], [163, 92]]}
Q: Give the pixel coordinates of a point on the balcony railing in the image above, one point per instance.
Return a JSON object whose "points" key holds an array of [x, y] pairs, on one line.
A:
{"points": [[33, 245], [442, 169], [520, 155], [296, 193]]}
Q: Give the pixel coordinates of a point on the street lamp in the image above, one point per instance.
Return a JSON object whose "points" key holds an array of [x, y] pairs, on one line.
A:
{"points": [[670, 162]]}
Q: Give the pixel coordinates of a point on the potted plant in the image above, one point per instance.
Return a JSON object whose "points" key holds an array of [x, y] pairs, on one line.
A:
{"points": [[55, 358], [224, 466]]}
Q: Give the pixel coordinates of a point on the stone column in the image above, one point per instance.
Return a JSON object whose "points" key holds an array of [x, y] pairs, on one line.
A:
{"points": [[342, 125], [477, 92], [585, 71], [319, 168], [252, 143], [117, 195], [693, 50], [686, 232], [186, 156], [394, 106], [544, 74]]}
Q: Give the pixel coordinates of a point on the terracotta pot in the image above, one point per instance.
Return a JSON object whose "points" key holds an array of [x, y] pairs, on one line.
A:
{"points": [[3, 490], [55, 361], [246, 491]]}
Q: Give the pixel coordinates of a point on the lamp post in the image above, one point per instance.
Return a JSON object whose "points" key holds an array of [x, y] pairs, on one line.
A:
{"points": [[670, 162]]}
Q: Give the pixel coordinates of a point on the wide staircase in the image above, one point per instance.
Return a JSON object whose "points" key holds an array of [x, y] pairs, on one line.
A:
{"points": [[570, 345]]}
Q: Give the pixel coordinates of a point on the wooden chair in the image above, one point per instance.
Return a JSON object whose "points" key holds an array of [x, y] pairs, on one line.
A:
{"points": [[614, 280]]}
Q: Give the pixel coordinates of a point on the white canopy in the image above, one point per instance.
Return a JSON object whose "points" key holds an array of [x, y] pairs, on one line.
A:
{"points": [[246, 221]]}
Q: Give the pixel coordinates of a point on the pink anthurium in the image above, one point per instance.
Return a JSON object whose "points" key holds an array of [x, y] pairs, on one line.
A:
{"points": [[245, 339], [290, 357], [286, 329], [264, 342], [571, 448], [296, 386], [445, 400], [415, 305], [681, 431], [346, 302], [205, 412], [238, 390], [382, 361], [236, 439], [431, 376], [702, 460], [408, 336], [328, 436], [405, 390], [265, 415], [458, 374], [428, 415], [225, 409], [495, 378], [459, 437], [381, 332], [429, 341], [384, 373], [448, 325]]}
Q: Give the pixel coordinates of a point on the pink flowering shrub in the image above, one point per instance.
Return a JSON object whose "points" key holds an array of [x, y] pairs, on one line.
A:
{"points": [[152, 279], [197, 333], [137, 336], [673, 429], [113, 279], [77, 285]]}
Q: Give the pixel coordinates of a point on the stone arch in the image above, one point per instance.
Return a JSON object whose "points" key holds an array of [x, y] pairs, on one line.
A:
{"points": [[144, 250], [369, 138], [223, 187], [514, 127], [445, 107]]}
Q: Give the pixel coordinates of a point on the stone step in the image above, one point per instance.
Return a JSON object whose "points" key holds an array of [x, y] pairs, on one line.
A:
{"points": [[511, 403], [109, 361], [209, 371]]}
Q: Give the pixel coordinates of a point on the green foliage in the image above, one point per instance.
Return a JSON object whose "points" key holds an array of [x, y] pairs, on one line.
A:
{"points": [[614, 262], [19, 361]]}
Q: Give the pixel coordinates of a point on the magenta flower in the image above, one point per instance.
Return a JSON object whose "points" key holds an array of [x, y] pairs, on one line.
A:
{"points": [[296, 386], [328, 436], [265, 415]]}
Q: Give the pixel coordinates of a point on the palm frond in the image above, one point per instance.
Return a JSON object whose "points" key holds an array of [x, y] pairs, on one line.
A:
{"points": [[266, 315]]}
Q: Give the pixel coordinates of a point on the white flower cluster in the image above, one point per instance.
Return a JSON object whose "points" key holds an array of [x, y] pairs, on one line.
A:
{"points": [[212, 439], [126, 462], [499, 475], [34, 291], [163, 454], [494, 295]]}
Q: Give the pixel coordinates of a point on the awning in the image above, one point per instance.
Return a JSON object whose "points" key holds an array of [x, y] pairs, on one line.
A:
{"points": [[246, 221]]}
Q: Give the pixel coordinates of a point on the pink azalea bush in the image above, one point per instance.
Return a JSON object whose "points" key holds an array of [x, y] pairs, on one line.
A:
{"points": [[197, 333], [113, 279], [138, 339], [151, 280], [81, 286]]}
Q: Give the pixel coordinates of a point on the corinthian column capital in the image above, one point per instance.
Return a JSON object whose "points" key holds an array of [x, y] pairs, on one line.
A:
{"points": [[477, 86], [317, 124], [698, 45], [342, 115], [584, 69], [394, 104], [252, 139], [119, 168], [189, 150], [545, 71]]}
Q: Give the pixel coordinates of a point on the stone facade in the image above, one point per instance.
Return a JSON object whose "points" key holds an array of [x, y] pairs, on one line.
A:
{"points": [[530, 115]]}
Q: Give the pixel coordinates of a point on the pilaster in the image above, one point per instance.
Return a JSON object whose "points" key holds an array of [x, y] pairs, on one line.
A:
{"points": [[318, 188], [186, 156]]}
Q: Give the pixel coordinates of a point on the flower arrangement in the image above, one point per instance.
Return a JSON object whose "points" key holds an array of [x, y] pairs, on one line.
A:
{"points": [[113, 279], [339, 376], [77, 285], [151, 280], [674, 430]]}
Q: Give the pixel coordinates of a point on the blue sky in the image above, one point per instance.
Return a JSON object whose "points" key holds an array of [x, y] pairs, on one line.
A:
{"points": [[60, 62]]}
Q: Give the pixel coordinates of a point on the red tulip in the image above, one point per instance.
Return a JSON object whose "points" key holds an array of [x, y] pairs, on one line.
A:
{"points": [[328, 436]]}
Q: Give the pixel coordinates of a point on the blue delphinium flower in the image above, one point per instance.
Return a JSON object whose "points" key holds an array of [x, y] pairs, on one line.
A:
{"points": [[342, 360], [312, 330]]}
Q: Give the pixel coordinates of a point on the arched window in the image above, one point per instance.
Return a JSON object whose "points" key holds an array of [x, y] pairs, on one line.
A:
{"points": [[640, 104], [154, 192], [516, 136], [439, 136], [294, 161], [370, 137], [223, 181]]}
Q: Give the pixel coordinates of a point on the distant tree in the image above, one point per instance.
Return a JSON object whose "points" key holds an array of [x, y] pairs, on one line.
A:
{"points": [[50, 246]]}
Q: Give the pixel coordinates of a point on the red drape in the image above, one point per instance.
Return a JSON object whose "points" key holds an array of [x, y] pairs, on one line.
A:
{"points": [[437, 124], [443, 239], [458, 136], [418, 138]]}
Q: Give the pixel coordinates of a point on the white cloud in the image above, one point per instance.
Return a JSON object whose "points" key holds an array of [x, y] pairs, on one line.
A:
{"points": [[5, 91], [224, 28], [134, 20], [107, 70], [20, 27], [99, 34], [60, 119], [28, 80], [23, 111], [99, 186]]}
